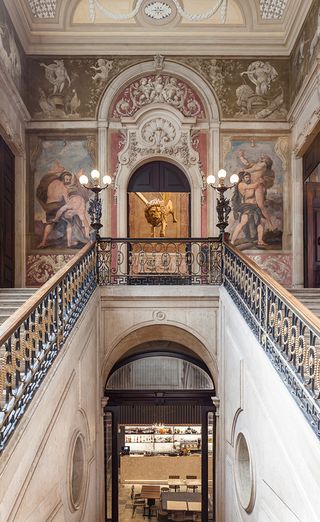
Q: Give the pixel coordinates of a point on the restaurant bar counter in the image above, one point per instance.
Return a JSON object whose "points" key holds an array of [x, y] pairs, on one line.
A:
{"points": [[139, 469]]}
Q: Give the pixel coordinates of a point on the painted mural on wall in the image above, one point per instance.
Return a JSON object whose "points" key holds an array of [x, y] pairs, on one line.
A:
{"points": [[306, 48], [71, 88], [60, 219], [11, 53], [256, 218], [279, 266], [40, 267], [159, 88], [255, 89]]}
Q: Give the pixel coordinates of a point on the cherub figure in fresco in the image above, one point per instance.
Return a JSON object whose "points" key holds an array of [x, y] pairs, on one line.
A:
{"points": [[57, 75], [103, 67], [261, 171]]}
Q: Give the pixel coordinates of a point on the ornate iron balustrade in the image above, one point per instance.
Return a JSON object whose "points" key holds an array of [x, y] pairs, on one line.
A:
{"points": [[287, 331], [35, 334], [160, 261]]}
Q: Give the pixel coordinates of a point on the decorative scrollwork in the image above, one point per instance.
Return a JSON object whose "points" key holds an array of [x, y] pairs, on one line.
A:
{"points": [[292, 345], [27, 353]]}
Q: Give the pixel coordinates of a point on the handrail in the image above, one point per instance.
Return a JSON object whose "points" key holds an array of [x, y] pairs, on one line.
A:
{"points": [[287, 331], [33, 337], [24, 311], [159, 261], [307, 315]]}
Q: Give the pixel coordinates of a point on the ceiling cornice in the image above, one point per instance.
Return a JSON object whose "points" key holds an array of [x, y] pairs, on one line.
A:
{"points": [[54, 37]]}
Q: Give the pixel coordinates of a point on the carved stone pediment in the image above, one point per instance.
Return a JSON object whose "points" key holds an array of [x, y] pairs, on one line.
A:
{"points": [[159, 136]]}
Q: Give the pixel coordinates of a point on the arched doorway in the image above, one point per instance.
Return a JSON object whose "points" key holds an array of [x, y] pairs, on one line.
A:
{"points": [[159, 408], [159, 188]]}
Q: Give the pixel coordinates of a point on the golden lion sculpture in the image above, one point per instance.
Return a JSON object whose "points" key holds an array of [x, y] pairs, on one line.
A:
{"points": [[157, 212]]}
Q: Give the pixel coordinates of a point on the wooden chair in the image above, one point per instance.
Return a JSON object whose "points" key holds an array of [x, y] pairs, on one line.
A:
{"points": [[137, 501], [171, 486], [191, 477]]}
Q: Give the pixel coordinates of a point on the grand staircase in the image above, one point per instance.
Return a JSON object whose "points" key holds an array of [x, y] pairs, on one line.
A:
{"points": [[11, 299], [310, 297]]}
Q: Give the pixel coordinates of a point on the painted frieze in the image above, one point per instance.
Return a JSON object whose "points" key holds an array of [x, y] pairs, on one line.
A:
{"points": [[255, 89], [11, 53], [71, 88], [306, 48]]}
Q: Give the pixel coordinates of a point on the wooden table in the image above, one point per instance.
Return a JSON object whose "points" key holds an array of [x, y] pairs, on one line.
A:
{"points": [[168, 497], [151, 494], [194, 506], [174, 505]]}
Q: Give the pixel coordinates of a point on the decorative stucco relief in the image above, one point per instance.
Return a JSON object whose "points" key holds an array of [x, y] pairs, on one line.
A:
{"points": [[159, 136], [160, 88], [13, 137]]}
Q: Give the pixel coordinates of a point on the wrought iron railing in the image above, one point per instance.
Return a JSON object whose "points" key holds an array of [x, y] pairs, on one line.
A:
{"points": [[160, 261], [32, 338], [288, 332]]}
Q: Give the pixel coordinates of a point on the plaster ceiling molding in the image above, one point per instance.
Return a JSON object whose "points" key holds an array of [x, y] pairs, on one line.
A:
{"points": [[158, 11], [272, 9], [43, 8]]}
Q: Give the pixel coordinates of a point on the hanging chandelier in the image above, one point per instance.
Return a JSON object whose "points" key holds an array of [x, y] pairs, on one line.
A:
{"points": [[159, 11]]}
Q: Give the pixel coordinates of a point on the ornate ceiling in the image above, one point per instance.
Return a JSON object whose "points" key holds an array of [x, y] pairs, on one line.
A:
{"points": [[224, 27]]}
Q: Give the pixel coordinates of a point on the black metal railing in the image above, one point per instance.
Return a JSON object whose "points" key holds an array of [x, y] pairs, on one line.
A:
{"points": [[160, 261], [288, 332], [32, 338]]}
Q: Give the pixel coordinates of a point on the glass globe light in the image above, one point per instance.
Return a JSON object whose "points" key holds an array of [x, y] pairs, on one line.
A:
{"points": [[83, 179], [107, 180], [234, 179], [222, 174], [95, 174], [211, 179]]}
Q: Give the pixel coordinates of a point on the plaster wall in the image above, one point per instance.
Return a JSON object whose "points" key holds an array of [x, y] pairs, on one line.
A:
{"points": [[133, 315], [285, 452], [35, 468]]}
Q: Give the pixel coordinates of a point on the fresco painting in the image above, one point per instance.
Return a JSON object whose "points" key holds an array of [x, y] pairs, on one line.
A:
{"points": [[256, 218], [60, 219], [11, 53], [71, 88], [306, 49]]}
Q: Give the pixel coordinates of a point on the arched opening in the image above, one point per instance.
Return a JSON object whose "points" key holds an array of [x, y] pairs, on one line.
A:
{"points": [[160, 431], [159, 201]]}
